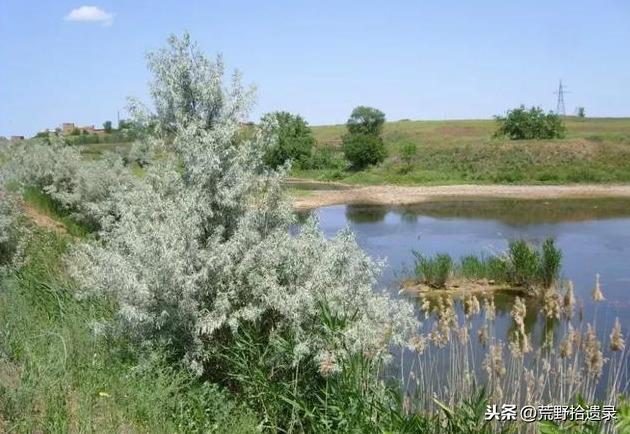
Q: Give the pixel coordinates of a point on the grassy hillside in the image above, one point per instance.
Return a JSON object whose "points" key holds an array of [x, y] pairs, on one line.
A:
{"points": [[464, 151], [595, 150]]}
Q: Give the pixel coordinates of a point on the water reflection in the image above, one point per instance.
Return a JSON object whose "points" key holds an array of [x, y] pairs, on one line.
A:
{"points": [[365, 213]]}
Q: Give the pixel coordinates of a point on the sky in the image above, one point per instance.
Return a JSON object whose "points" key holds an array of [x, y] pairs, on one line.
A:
{"points": [[67, 61]]}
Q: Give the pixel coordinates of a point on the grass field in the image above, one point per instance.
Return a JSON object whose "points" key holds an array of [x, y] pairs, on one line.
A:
{"points": [[595, 150]]}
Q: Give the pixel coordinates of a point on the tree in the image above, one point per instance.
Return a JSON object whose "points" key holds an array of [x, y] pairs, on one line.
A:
{"points": [[180, 88], [363, 146], [366, 120], [522, 124], [363, 150], [294, 139], [581, 112], [203, 246], [107, 126]]}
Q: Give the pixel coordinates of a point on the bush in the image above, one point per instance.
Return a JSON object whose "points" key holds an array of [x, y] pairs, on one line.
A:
{"points": [[434, 271], [83, 189], [294, 139], [522, 124], [363, 150]]}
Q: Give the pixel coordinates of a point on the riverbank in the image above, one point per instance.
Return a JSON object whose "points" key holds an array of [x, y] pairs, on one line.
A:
{"points": [[319, 195]]}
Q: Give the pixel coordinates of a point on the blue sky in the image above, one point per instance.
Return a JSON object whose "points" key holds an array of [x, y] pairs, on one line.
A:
{"points": [[416, 59]]}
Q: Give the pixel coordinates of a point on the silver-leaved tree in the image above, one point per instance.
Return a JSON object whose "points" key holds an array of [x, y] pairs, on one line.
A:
{"points": [[201, 245]]}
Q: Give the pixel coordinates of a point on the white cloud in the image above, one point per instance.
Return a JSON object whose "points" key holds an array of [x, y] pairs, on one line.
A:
{"points": [[91, 14]]}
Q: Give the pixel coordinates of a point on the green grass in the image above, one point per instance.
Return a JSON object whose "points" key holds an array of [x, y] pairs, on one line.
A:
{"points": [[57, 375], [596, 150]]}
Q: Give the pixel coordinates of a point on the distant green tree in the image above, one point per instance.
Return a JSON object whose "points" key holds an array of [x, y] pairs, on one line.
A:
{"points": [[363, 150], [363, 146], [523, 124], [75, 132], [295, 139], [107, 126], [581, 113], [124, 124], [366, 120]]}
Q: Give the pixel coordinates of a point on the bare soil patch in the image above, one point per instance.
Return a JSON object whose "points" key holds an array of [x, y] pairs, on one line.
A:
{"points": [[461, 288], [400, 195], [42, 220]]}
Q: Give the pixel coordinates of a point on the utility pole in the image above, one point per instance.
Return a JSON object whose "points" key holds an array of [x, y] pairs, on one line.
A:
{"points": [[560, 110]]}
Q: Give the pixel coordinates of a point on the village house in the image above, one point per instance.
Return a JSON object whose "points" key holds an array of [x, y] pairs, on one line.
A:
{"points": [[68, 128]]}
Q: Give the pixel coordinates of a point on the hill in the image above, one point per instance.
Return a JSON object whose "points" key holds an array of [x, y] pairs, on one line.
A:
{"points": [[595, 150]]}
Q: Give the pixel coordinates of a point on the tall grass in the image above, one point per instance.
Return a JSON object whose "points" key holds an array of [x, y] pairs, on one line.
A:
{"points": [[550, 263], [445, 368], [350, 395], [484, 267], [58, 375], [434, 271], [522, 265]]}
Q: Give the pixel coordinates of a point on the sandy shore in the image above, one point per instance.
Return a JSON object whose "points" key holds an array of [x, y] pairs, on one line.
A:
{"points": [[398, 195]]}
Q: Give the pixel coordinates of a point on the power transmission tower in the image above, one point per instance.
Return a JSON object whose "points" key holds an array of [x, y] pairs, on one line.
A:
{"points": [[560, 105]]}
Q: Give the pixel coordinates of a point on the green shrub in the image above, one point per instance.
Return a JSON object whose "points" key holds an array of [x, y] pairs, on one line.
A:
{"points": [[434, 271], [363, 150], [294, 139], [520, 124]]}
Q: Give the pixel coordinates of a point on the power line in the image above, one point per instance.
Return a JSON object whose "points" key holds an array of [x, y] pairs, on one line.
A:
{"points": [[560, 109]]}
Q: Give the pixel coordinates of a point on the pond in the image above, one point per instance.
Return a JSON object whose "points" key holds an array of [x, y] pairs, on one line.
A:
{"points": [[593, 234]]}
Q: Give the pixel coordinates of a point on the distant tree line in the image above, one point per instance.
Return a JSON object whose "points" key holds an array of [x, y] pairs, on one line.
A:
{"points": [[362, 145]]}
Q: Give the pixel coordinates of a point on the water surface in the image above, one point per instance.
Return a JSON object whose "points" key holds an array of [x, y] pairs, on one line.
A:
{"points": [[594, 236]]}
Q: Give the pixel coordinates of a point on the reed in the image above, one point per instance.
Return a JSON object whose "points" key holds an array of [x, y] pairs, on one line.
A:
{"points": [[570, 368], [521, 265]]}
